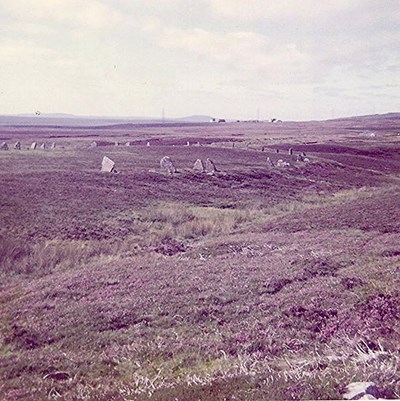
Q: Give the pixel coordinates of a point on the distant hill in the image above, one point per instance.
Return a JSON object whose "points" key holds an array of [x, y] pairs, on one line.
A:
{"points": [[370, 117], [71, 120], [194, 119]]}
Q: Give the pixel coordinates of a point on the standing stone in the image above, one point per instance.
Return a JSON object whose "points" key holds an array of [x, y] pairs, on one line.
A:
{"points": [[4, 146], [116, 143], [270, 163], [43, 146], [17, 145], [233, 144], [33, 146], [263, 149], [187, 143], [199, 166], [107, 165], [198, 144], [290, 151], [167, 165], [128, 144], [53, 145], [148, 144], [277, 150], [300, 158], [304, 154], [210, 167], [93, 144]]}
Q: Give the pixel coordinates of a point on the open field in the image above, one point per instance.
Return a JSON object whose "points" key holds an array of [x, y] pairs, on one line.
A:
{"points": [[254, 283]]}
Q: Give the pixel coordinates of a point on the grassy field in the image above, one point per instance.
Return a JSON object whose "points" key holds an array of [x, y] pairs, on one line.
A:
{"points": [[254, 283]]}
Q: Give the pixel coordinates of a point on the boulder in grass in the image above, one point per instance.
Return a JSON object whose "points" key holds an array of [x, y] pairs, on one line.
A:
{"points": [[128, 144], [199, 166], [358, 390], [43, 146], [17, 145], [33, 146], [167, 165], [210, 167], [53, 145], [270, 163], [282, 163], [107, 165], [4, 146], [93, 144]]}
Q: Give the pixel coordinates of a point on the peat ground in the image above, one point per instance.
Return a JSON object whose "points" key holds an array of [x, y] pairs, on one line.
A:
{"points": [[255, 283]]}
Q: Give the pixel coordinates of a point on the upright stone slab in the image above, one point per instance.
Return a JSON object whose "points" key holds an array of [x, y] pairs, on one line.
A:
{"points": [[290, 151], [17, 145], [148, 144], [167, 165], [270, 163], [128, 144], [116, 143], [4, 146], [93, 144], [107, 165], [187, 143], [33, 146], [53, 145], [43, 146], [210, 167], [199, 166]]}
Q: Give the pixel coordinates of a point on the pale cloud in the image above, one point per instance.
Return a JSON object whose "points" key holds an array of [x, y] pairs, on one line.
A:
{"points": [[292, 58], [92, 14], [279, 10]]}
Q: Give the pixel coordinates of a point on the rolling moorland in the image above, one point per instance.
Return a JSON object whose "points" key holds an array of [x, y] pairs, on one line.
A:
{"points": [[254, 283]]}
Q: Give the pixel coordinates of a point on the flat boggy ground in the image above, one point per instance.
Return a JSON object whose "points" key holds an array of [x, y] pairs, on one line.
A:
{"points": [[255, 283]]}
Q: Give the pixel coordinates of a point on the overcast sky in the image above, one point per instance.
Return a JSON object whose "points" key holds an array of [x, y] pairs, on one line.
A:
{"points": [[291, 59]]}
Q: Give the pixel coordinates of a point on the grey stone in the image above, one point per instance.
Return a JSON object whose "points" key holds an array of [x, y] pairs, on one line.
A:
{"points": [[128, 144], [116, 143], [210, 167], [356, 390], [93, 144], [300, 158], [281, 163], [107, 165], [187, 143], [167, 165], [17, 145], [43, 146], [270, 163], [33, 146], [199, 166], [148, 144], [290, 151], [4, 146], [53, 145]]}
